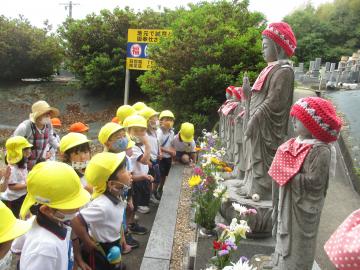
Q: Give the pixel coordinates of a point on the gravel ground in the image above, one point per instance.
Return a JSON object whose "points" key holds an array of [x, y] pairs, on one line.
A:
{"points": [[184, 231]]}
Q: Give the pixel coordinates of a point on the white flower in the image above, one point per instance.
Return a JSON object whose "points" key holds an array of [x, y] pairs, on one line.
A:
{"points": [[217, 177], [219, 189], [239, 228], [239, 208], [225, 197], [240, 265], [202, 145]]}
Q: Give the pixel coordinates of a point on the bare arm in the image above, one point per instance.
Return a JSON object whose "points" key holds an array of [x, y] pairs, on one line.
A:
{"points": [[79, 228]]}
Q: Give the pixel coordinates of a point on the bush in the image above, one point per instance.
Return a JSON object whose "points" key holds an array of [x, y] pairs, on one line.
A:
{"points": [[211, 46], [27, 51]]}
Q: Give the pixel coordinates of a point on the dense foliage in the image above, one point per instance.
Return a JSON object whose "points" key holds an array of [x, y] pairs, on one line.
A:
{"points": [[27, 51], [211, 46]]}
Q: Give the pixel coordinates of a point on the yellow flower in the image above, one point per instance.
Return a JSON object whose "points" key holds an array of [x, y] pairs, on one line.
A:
{"points": [[215, 161], [228, 169], [194, 180], [222, 163]]}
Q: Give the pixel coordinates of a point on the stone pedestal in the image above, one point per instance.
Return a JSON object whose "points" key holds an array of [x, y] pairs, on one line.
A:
{"points": [[262, 262], [261, 223]]}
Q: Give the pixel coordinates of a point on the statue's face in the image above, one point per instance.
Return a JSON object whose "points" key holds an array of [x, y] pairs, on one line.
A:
{"points": [[269, 50], [300, 129]]}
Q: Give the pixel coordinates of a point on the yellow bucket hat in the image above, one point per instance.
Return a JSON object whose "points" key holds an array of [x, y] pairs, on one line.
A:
{"points": [[148, 112], [56, 185], [11, 227], [124, 111], [71, 140], [166, 113], [41, 107], [99, 169], [135, 121], [187, 132], [138, 106], [14, 149], [107, 130]]}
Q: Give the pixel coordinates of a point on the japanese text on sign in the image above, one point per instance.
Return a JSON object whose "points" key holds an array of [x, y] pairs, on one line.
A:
{"points": [[139, 63], [147, 35]]}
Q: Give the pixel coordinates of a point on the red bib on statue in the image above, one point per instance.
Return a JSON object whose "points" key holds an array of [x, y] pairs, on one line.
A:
{"points": [[229, 108], [288, 160], [343, 247]]}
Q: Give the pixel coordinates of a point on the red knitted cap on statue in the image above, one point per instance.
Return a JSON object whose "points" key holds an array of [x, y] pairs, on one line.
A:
{"points": [[282, 34], [318, 115], [230, 89], [238, 93]]}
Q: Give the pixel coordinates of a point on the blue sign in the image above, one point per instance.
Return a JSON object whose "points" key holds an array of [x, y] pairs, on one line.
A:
{"points": [[137, 50]]}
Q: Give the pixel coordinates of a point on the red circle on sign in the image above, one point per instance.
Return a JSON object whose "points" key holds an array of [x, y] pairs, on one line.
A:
{"points": [[135, 50]]}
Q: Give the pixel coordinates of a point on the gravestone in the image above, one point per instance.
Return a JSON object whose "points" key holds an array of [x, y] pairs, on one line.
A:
{"points": [[332, 67]]}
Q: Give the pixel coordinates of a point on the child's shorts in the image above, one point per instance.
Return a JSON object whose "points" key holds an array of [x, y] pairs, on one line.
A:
{"points": [[154, 171], [165, 166]]}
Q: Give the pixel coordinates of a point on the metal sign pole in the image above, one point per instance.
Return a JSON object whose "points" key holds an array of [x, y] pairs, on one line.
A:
{"points": [[127, 85]]}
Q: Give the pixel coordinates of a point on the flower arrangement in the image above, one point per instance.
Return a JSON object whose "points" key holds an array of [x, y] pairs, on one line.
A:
{"points": [[208, 192], [230, 238], [207, 198]]}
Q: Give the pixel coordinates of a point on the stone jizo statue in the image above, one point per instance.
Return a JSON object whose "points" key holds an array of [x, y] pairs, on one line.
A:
{"points": [[301, 170], [268, 104]]}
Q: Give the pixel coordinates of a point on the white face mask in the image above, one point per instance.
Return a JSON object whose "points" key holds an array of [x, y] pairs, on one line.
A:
{"points": [[67, 217], [79, 165], [45, 120]]}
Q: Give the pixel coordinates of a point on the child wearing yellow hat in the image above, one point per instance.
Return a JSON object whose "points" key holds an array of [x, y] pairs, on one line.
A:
{"points": [[153, 123], [103, 216], [76, 152], [140, 160], [115, 140], [18, 150], [10, 228], [56, 190], [165, 134], [184, 144]]}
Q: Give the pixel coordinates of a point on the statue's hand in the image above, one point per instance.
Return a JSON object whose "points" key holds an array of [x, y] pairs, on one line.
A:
{"points": [[246, 86]]}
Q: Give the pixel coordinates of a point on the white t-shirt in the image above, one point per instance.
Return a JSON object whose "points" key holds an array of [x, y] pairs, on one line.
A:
{"points": [[181, 146], [137, 166], [167, 138], [17, 176], [43, 250], [104, 219], [154, 145]]}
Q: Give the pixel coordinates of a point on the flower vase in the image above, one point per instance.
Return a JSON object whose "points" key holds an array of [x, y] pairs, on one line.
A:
{"points": [[206, 233]]}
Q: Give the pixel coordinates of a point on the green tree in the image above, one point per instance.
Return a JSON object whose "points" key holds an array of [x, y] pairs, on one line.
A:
{"points": [[27, 51], [211, 46], [331, 30], [96, 46]]}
